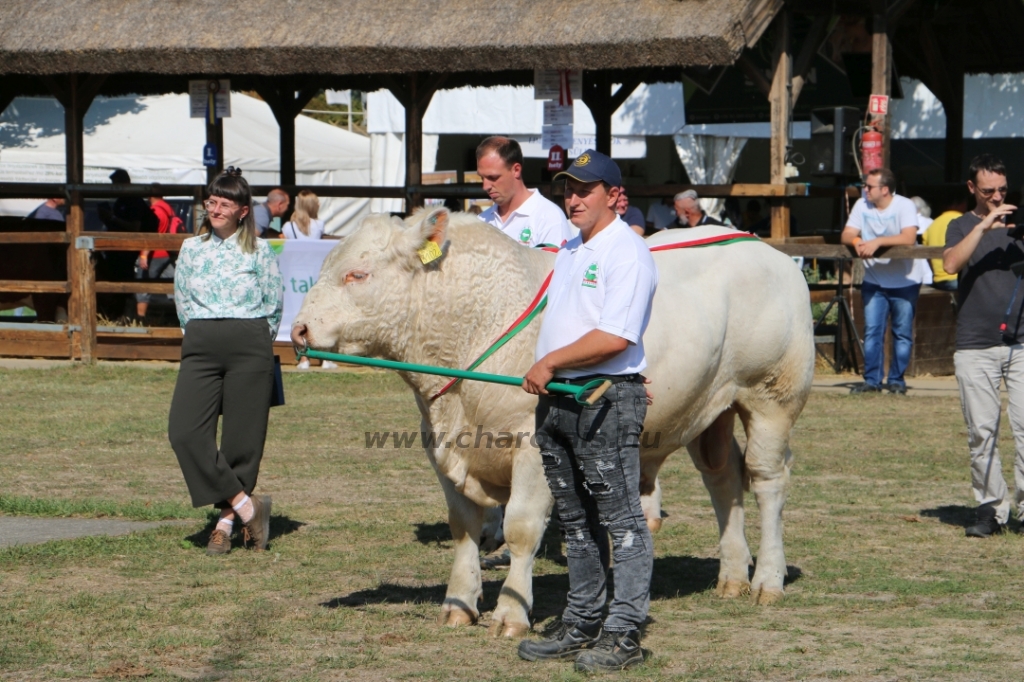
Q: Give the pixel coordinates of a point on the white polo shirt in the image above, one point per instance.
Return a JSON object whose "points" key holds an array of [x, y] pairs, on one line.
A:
{"points": [[874, 222], [607, 284], [536, 221]]}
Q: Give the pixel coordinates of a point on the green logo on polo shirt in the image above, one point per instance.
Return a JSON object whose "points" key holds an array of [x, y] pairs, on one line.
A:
{"points": [[524, 236], [590, 276]]}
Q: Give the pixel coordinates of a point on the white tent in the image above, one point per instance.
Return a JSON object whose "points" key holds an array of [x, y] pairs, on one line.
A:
{"points": [[507, 110], [154, 139]]}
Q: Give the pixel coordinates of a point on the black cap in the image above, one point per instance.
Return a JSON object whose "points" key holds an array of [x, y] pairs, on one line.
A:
{"points": [[592, 166], [120, 175]]}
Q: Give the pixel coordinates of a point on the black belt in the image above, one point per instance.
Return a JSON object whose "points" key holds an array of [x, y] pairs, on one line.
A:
{"points": [[580, 381]]}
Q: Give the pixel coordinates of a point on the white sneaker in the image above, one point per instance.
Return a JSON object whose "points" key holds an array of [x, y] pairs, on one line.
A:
{"points": [[327, 364], [304, 363]]}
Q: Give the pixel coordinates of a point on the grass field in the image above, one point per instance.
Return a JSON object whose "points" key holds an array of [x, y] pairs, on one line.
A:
{"points": [[883, 584]]}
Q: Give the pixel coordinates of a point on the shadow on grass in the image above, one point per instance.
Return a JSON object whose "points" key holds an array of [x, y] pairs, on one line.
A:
{"points": [[279, 525], [951, 515], [433, 533], [674, 577]]}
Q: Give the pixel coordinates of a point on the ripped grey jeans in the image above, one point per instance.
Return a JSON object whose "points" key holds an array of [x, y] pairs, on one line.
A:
{"points": [[591, 457]]}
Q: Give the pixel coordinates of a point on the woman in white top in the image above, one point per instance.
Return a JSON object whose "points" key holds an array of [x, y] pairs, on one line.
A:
{"points": [[304, 223]]}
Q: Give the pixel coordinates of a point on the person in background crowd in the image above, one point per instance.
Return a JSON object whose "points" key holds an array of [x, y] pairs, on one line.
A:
{"points": [[230, 297], [661, 214], [304, 223], [921, 271], [989, 349], [521, 213], [935, 235], [631, 215], [128, 214], [884, 218], [48, 210], [275, 206], [689, 213], [158, 264]]}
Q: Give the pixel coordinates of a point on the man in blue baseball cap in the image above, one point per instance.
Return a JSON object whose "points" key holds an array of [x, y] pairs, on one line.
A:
{"points": [[599, 304]]}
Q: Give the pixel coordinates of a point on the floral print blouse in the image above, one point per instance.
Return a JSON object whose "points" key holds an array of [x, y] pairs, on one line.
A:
{"points": [[214, 279]]}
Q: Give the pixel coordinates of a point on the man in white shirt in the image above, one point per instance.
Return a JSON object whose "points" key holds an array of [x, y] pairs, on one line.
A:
{"points": [[521, 213], [884, 218], [599, 304]]}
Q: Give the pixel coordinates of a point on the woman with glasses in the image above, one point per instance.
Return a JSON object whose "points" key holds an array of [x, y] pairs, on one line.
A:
{"points": [[229, 297]]}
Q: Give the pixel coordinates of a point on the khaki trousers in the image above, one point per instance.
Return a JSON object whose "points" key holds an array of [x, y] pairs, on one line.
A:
{"points": [[978, 374]]}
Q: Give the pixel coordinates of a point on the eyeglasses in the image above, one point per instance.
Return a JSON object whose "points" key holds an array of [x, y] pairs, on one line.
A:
{"points": [[989, 191], [211, 205]]}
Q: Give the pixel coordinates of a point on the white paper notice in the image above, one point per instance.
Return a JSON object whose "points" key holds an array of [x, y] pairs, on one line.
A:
{"points": [[546, 84], [552, 135], [199, 97], [557, 115]]}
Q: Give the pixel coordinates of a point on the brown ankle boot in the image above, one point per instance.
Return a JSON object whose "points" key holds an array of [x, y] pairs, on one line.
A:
{"points": [[220, 543]]}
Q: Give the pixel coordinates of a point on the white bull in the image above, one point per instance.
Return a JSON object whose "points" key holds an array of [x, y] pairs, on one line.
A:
{"points": [[730, 334]]}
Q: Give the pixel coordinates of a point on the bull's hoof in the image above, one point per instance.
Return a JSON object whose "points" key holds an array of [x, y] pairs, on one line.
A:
{"points": [[654, 525], [456, 617], [511, 630], [731, 589], [766, 596]]}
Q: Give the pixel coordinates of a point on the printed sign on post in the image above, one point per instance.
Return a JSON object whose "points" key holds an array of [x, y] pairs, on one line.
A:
{"points": [[552, 136], [199, 98], [878, 105], [556, 114], [547, 83], [210, 155]]}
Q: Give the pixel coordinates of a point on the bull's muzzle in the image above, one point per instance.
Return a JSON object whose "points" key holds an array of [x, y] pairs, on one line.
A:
{"points": [[299, 337]]}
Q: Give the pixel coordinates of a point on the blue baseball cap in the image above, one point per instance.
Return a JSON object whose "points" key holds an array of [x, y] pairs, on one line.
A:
{"points": [[593, 166]]}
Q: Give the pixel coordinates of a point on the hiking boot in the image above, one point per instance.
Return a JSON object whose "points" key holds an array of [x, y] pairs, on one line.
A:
{"points": [[986, 523], [220, 543], [567, 641], [865, 388], [896, 389], [257, 531], [614, 651]]}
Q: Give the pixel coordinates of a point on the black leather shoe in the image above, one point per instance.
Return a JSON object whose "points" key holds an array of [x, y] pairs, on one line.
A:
{"points": [[865, 388], [567, 641], [986, 523], [614, 651]]}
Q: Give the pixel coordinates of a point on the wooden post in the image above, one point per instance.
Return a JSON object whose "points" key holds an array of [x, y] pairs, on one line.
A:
{"points": [[413, 145], [881, 77], [215, 136], [780, 99], [286, 103], [954, 107], [76, 93], [598, 96]]}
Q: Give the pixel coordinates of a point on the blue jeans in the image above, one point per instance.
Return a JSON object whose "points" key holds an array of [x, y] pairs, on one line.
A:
{"points": [[591, 457], [879, 305]]}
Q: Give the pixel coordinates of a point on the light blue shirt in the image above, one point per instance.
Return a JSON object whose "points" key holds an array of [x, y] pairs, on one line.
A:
{"points": [[214, 279]]}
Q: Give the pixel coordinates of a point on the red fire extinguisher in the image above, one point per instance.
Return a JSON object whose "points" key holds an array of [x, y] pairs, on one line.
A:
{"points": [[871, 156]]}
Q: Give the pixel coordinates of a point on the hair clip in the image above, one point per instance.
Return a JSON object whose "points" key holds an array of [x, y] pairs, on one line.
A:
{"points": [[233, 172]]}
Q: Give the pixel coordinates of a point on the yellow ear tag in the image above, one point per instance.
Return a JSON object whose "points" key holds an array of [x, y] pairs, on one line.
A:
{"points": [[429, 253]]}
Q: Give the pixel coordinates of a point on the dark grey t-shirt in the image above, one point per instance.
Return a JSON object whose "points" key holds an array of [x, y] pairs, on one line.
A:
{"points": [[986, 287]]}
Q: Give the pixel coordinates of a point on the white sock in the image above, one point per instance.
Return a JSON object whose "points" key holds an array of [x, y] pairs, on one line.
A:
{"points": [[244, 509], [226, 524]]}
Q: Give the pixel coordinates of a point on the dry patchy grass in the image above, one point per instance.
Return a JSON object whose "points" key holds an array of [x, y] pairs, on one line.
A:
{"points": [[883, 583]]}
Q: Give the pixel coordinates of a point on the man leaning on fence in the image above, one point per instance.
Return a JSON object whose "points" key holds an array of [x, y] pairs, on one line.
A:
{"points": [[981, 250], [884, 218]]}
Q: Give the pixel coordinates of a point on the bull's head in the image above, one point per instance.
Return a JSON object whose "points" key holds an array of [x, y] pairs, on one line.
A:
{"points": [[360, 304]]}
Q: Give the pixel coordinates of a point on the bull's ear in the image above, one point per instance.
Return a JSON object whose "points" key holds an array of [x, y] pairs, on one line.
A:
{"points": [[430, 234]]}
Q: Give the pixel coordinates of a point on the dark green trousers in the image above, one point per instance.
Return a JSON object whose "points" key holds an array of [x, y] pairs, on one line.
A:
{"points": [[226, 366]]}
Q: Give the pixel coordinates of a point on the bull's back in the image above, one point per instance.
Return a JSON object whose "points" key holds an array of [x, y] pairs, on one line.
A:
{"points": [[725, 318]]}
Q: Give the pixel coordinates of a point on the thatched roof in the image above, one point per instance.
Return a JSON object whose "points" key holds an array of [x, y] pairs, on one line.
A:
{"points": [[291, 37]]}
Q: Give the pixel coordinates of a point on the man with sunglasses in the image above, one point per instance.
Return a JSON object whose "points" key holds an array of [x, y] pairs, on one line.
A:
{"points": [[980, 249], [884, 218]]}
